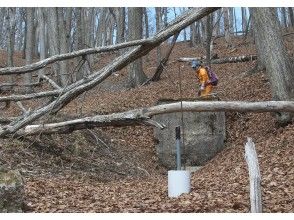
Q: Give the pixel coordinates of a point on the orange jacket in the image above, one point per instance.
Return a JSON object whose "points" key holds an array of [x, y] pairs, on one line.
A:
{"points": [[202, 76]]}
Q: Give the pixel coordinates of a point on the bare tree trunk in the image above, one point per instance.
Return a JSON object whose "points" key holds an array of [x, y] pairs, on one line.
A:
{"points": [[278, 64], [227, 27], [258, 44], [54, 44], [218, 24], [164, 12], [244, 19], [11, 23], [231, 13], [2, 26], [136, 76], [68, 27], [284, 17], [42, 37], [291, 16], [64, 74], [208, 38], [158, 27], [29, 46], [79, 40], [146, 23]]}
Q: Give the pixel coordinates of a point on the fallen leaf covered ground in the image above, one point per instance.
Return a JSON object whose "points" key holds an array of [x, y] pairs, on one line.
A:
{"points": [[117, 170]]}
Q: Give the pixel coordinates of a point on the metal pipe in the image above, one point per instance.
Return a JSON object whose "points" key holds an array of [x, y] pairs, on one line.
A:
{"points": [[178, 147]]}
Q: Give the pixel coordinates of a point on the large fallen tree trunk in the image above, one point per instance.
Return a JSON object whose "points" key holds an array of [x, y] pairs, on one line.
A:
{"points": [[143, 115], [75, 89], [237, 59]]}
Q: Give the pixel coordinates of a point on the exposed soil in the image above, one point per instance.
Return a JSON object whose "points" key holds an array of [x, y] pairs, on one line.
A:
{"points": [[117, 170]]}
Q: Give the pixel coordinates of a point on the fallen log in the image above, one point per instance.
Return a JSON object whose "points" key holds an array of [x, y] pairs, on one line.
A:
{"points": [[144, 115], [237, 59]]}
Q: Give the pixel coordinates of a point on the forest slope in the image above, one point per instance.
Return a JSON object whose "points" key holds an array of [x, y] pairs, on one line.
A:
{"points": [[116, 169]]}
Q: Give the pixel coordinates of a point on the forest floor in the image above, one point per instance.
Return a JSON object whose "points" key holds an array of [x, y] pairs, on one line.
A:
{"points": [[115, 169]]}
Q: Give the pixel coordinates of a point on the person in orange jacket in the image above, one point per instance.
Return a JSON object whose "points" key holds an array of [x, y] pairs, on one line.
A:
{"points": [[205, 87]]}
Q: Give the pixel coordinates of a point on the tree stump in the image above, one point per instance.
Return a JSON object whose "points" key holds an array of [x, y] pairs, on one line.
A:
{"points": [[11, 191]]}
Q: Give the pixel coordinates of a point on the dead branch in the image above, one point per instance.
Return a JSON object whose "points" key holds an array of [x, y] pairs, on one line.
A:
{"points": [[139, 116], [237, 59], [75, 89], [30, 96]]}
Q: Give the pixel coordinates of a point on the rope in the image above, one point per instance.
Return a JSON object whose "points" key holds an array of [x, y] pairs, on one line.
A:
{"points": [[182, 117]]}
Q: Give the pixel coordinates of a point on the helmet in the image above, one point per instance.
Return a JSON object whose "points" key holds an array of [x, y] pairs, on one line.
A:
{"points": [[195, 64]]}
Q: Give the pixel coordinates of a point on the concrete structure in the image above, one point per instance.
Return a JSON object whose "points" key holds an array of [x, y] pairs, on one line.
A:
{"points": [[203, 134]]}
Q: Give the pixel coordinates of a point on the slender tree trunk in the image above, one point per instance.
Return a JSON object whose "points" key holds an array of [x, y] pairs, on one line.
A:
{"points": [[54, 44], [208, 38], [79, 40], [136, 76], [158, 27], [218, 25], [11, 23], [146, 23], [42, 34], [231, 13], [284, 17], [244, 19], [227, 28], [278, 64], [64, 75], [291, 16], [29, 46], [68, 27]]}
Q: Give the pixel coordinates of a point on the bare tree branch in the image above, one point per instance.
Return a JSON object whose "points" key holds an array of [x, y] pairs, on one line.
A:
{"points": [[237, 59], [30, 96]]}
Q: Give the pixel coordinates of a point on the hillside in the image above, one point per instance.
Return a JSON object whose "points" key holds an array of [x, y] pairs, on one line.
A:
{"points": [[116, 169]]}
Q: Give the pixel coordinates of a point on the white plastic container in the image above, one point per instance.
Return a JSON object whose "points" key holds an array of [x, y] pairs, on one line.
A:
{"points": [[178, 182]]}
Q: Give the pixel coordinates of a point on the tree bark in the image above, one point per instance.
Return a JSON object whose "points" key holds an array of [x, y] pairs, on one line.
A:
{"points": [[244, 19], [291, 16], [63, 73], [136, 76], [146, 23], [42, 37], [158, 27], [284, 17], [29, 46], [11, 24], [208, 38], [227, 27], [278, 64]]}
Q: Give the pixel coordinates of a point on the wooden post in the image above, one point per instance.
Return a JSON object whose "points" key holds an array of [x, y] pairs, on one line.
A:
{"points": [[254, 176]]}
